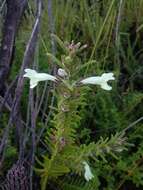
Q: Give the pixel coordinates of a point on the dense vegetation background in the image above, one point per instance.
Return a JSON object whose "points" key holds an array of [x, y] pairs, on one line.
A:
{"points": [[113, 32]]}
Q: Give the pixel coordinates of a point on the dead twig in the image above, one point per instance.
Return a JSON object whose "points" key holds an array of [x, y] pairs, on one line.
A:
{"points": [[15, 9], [28, 56]]}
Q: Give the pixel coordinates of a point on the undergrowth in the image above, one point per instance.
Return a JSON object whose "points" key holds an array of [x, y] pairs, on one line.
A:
{"points": [[113, 32]]}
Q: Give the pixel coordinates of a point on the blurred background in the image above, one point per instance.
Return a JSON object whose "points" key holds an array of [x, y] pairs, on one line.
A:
{"points": [[113, 32]]}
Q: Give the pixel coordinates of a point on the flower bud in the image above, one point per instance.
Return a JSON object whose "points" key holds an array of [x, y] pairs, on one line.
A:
{"points": [[62, 73]]}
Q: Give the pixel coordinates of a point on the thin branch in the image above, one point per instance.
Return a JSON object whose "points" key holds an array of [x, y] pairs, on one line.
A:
{"points": [[33, 128], [54, 70], [33, 113], [2, 5], [133, 124], [6, 96], [28, 56], [117, 35], [118, 22], [15, 10]]}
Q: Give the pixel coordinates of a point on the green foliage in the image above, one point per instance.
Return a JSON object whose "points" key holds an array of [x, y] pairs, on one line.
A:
{"points": [[76, 183], [66, 154], [86, 123]]}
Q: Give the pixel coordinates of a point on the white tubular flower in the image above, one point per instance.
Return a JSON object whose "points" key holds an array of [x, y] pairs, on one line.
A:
{"points": [[62, 72], [100, 80], [88, 174], [37, 77]]}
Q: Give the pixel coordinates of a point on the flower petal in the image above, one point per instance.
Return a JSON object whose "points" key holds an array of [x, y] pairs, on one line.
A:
{"points": [[33, 83], [108, 76], [88, 174], [62, 72], [105, 86], [29, 73], [44, 76], [37, 77], [100, 80], [91, 80]]}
